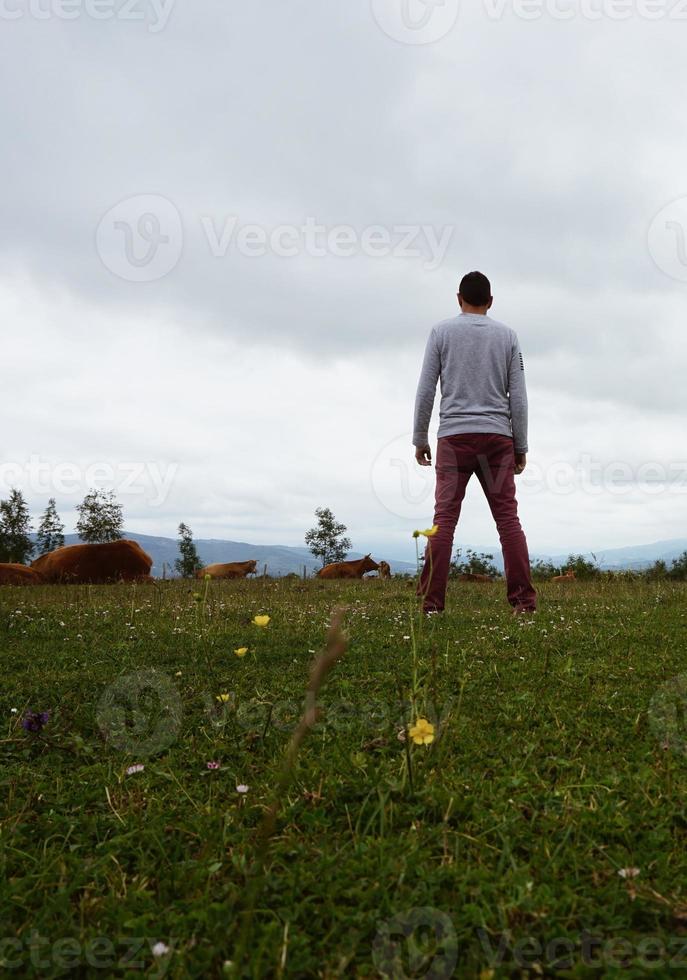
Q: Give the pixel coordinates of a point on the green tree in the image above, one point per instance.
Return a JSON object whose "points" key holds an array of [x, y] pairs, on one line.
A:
{"points": [[189, 562], [326, 540], [473, 564], [582, 568], [51, 530], [678, 570], [100, 517], [15, 529], [543, 570], [656, 572]]}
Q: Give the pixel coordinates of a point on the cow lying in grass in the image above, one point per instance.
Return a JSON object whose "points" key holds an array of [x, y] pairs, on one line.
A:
{"points": [[114, 561], [475, 577], [232, 569], [349, 569], [568, 577], [13, 574]]}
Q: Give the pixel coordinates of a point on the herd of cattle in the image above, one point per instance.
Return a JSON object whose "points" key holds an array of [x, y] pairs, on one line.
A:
{"points": [[126, 561]]}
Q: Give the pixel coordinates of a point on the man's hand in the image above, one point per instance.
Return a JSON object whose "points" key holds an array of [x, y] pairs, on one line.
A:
{"points": [[520, 463], [423, 455]]}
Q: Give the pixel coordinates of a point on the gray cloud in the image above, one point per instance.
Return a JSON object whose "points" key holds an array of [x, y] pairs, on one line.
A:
{"points": [[545, 148]]}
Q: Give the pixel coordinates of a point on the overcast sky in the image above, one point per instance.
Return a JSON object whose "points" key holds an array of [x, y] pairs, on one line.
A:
{"points": [[227, 230]]}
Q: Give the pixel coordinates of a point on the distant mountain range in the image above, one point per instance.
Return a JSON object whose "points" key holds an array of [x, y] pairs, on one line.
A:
{"points": [[283, 559]]}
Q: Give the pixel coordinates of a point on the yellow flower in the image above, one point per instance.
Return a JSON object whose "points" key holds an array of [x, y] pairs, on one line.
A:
{"points": [[241, 652], [197, 597], [223, 698], [422, 732], [207, 578], [261, 620], [429, 533]]}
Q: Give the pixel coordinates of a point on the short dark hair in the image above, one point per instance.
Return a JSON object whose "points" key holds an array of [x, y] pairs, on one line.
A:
{"points": [[475, 289]]}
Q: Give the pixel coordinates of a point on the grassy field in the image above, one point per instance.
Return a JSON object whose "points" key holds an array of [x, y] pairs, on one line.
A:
{"points": [[541, 833]]}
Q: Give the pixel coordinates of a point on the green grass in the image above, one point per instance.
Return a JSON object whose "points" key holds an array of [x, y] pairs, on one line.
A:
{"points": [[559, 760]]}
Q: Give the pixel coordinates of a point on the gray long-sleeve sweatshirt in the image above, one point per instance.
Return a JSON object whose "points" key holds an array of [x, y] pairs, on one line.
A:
{"points": [[482, 380]]}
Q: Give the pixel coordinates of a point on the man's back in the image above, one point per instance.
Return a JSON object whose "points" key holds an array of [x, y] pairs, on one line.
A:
{"points": [[482, 380]]}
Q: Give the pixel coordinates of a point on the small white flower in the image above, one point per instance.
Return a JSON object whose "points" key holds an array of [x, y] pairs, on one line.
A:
{"points": [[159, 949], [13, 710], [628, 872], [242, 788], [139, 767]]}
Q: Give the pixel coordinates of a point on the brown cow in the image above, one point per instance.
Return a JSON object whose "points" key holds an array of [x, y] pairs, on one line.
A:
{"points": [[349, 569], [474, 577], [568, 577], [233, 569], [11, 574], [113, 561]]}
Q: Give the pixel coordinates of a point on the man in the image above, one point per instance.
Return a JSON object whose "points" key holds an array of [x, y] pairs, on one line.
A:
{"points": [[482, 430]]}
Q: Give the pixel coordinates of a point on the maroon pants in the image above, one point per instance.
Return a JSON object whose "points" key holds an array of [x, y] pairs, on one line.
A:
{"points": [[491, 458]]}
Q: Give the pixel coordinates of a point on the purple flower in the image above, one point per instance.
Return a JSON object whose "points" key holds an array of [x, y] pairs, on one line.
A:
{"points": [[34, 721]]}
